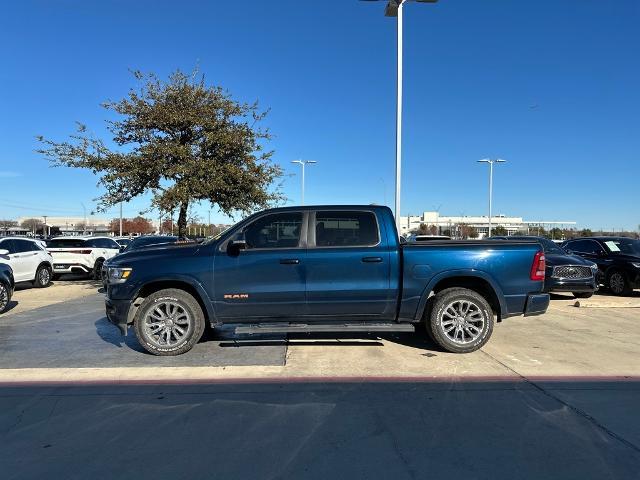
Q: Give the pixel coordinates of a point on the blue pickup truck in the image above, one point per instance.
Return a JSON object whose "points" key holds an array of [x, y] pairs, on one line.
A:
{"points": [[323, 269]]}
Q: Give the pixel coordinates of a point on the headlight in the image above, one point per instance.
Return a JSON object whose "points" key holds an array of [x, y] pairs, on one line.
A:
{"points": [[594, 267], [637, 265], [118, 275]]}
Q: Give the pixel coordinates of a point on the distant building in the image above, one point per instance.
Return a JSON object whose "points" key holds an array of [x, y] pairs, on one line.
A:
{"points": [[513, 225], [13, 231], [76, 225]]}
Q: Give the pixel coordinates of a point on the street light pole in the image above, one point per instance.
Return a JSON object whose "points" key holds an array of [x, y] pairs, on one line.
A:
{"points": [[84, 227], [394, 8], [399, 116], [491, 162], [302, 163]]}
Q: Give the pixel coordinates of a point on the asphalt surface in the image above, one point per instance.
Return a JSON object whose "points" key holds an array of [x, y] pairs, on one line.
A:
{"points": [[471, 430], [76, 333]]}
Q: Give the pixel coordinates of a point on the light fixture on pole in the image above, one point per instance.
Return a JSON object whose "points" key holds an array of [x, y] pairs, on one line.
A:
{"points": [[394, 9], [302, 163], [491, 162]]}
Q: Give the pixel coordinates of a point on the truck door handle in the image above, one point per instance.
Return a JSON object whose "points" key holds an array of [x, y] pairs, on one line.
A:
{"points": [[372, 259], [289, 261]]}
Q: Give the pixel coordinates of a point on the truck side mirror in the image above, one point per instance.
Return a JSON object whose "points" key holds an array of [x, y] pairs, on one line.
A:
{"points": [[3, 252], [236, 245]]}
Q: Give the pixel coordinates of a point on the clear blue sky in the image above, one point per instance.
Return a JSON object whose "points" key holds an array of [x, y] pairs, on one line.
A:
{"points": [[552, 86]]}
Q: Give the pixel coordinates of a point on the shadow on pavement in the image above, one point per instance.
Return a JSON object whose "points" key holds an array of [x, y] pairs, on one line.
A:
{"points": [[10, 306], [449, 429]]}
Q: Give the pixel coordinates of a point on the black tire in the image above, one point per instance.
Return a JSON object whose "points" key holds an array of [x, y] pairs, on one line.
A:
{"points": [[161, 301], [96, 273], [583, 294], [5, 297], [477, 327], [43, 277], [618, 283]]}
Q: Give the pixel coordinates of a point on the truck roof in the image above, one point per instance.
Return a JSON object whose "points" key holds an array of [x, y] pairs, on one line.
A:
{"points": [[327, 207]]}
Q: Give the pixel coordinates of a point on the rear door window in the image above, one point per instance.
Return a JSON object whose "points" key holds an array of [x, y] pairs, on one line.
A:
{"points": [[346, 229], [21, 246]]}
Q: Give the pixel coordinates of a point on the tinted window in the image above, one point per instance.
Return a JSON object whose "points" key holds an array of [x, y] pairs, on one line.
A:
{"points": [[584, 246], [34, 247], [280, 230], [345, 229], [108, 243], [21, 246], [7, 244], [67, 243], [624, 245]]}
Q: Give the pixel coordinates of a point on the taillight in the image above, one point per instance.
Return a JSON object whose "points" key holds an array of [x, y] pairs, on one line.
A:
{"points": [[538, 267], [81, 252]]}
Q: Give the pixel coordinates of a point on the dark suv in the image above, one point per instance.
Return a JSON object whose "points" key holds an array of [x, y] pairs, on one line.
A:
{"points": [[618, 260], [564, 272]]}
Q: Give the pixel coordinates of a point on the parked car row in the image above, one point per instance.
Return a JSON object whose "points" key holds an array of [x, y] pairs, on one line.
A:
{"points": [[581, 265], [28, 259], [617, 258]]}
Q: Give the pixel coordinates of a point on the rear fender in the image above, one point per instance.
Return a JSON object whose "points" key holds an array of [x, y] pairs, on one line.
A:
{"points": [[461, 273]]}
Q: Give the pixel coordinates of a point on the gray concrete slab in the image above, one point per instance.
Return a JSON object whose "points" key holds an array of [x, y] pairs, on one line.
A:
{"points": [[76, 334], [476, 430]]}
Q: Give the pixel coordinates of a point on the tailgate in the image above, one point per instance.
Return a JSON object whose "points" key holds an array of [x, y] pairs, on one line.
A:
{"points": [[69, 255]]}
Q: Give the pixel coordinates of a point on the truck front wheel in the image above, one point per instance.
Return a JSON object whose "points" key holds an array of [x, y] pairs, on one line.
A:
{"points": [[169, 322], [460, 321]]}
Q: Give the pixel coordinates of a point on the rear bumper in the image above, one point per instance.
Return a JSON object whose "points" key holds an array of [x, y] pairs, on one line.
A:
{"points": [[537, 304], [70, 268], [117, 313]]}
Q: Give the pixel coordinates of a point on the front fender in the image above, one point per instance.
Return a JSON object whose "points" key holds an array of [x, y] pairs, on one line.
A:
{"points": [[186, 279]]}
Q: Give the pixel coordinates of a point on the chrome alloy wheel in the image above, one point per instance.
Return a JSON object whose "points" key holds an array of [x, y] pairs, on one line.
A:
{"points": [[44, 277], [167, 324], [462, 321]]}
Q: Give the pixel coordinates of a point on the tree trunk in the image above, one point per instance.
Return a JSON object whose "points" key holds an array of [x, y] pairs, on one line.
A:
{"points": [[182, 219]]}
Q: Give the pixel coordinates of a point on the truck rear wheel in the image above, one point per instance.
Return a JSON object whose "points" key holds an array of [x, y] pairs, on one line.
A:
{"points": [[169, 322], [460, 321]]}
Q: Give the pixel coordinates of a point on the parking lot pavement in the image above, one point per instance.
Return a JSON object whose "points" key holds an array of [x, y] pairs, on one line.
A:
{"points": [[72, 341], [67, 288], [76, 334], [488, 430]]}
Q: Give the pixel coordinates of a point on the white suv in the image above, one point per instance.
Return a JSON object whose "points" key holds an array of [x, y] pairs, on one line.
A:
{"points": [[28, 259], [81, 254]]}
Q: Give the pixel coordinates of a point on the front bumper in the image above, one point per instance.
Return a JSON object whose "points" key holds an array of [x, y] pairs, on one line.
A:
{"points": [[537, 304], [118, 313], [560, 285]]}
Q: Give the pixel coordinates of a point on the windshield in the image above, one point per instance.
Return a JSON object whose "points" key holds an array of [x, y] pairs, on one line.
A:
{"points": [[547, 245], [551, 247], [623, 245]]}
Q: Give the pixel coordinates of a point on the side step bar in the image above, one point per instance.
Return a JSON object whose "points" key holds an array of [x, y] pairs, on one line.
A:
{"points": [[325, 328]]}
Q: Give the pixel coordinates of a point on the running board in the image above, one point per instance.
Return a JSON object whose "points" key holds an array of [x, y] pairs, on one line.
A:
{"points": [[325, 328]]}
